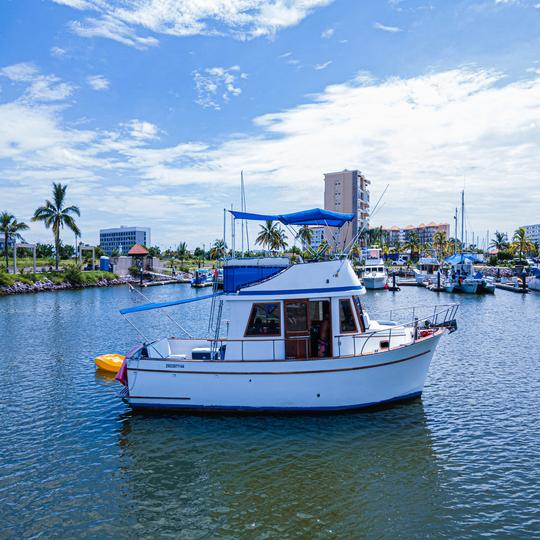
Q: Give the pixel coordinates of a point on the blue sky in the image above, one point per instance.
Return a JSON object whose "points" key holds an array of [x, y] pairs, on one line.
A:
{"points": [[149, 109]]}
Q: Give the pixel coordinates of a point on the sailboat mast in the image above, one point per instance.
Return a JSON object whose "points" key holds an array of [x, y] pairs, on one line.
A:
{"points": [[242, 206], [455, 231], [462, 217]]}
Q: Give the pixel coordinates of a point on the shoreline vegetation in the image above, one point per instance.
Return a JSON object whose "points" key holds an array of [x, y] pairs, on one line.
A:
{"points": [[70, 278]]}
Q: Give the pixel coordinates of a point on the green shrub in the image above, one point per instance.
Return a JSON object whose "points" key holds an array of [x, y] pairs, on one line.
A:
{"points": [[6, 280], [73, 275]]}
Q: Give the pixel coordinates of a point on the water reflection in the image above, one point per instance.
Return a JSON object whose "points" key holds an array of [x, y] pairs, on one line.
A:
{"points": [[281, 474]]}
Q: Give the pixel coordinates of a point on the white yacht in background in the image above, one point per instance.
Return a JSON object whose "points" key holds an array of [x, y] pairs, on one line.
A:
{"points": [[299, 339], [374, 273]]}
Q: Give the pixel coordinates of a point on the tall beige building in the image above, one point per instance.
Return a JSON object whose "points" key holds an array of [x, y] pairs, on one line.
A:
{"points": [[347, 191]]}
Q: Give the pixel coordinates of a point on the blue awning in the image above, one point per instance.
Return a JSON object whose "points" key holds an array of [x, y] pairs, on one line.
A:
{"points": [[315, 216], [460, 258], [148, 307]]}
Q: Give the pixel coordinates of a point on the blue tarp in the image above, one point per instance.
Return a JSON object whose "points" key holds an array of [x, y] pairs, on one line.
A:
{"points": [[535, 272], [315, 216], [460, 258], [148, 307]]}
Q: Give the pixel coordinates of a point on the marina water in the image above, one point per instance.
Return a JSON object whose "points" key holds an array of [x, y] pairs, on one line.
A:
{"points": [[464, 461]]}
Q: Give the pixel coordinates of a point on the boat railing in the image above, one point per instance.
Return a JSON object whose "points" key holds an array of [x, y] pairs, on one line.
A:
{"points": [[390, 337], [438, 316]]}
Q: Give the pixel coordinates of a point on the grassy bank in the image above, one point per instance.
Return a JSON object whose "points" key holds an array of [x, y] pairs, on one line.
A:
{"points": [[72, 276]]}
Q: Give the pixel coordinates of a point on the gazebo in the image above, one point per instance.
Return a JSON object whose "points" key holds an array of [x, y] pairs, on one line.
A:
{"points": [[139, 254]]}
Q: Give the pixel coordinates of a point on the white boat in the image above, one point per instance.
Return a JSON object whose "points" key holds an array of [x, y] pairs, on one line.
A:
{"points": [[374, 273], [299, 339], [533, 281], [462, 275], [426, 270]]}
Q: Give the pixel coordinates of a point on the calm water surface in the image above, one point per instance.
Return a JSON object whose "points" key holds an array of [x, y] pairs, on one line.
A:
{"points": [[464, 461]]}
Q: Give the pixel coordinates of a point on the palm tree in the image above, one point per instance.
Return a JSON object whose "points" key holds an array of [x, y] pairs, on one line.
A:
{"points": [[305, 235], [217, 251], [55, 215], [413, 244], [280, 239], [499, 241], [521, 243], [267, 234], [10, 227], [356, 251], [439, 243], [181, 252]]}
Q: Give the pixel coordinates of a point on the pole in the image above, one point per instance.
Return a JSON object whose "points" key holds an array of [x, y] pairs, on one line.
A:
{"points": [[462, 217], [455, 231], [232, 233], [242, 206], [224, 233]]}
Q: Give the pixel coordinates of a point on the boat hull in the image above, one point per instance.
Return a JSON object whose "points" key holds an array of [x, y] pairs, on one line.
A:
{"points": [[374, 282], [301, 386], [467, 288], [534, 284]]}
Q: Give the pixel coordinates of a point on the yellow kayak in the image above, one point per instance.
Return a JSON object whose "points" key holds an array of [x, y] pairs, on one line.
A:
{"points": [[109, 362]]}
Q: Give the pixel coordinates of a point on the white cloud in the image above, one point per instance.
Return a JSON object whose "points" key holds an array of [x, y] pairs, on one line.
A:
{"points": [[57, 52], [140, 129], [217, 84], [421, 134], [121, 20], [98, 82], [385, 28], [318, 67], [42, 87], [328, 33], [22, 72]]}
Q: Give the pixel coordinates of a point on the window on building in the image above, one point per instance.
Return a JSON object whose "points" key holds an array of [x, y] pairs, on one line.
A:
{"points": [[264, 320], [347, 324]]}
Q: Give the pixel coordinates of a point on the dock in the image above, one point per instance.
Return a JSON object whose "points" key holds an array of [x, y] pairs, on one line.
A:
{"points": [[512, 288], [162, 282]]}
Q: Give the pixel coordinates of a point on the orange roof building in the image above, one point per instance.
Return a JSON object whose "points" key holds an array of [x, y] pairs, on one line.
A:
{"points": [[138, 250]]}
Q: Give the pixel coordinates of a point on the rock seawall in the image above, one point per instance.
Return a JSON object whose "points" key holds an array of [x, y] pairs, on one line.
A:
{"points": [[47, 285]]}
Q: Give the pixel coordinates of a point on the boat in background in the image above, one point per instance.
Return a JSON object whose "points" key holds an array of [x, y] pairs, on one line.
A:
{"points": [[533, 282], [426, 270], [374, 273], [203, 278]]}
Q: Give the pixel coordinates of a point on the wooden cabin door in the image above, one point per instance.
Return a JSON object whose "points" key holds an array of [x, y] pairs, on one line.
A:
{"points": [[297, 336]]}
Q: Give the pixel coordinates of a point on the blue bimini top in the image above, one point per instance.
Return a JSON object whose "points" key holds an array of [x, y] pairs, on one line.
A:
{"points": [[315, 216]]}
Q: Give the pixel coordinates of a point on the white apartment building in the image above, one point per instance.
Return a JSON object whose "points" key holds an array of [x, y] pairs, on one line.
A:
{"points": [[533, 232]]}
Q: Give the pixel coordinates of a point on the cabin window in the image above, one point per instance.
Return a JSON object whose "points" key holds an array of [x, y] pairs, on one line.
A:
{"points": [[265, 320], [347, 324], [297, 316]]}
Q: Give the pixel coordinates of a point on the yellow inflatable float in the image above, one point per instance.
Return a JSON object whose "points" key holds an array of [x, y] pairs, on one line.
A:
{"points": [[109, 362]]}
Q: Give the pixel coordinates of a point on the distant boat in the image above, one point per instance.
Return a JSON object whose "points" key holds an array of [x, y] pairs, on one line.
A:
{"points": [[374, 273], [533, 282], [426, 270], [202, 278]]}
